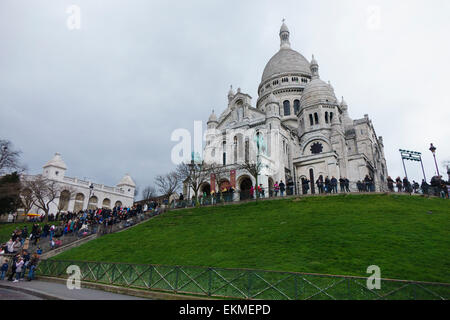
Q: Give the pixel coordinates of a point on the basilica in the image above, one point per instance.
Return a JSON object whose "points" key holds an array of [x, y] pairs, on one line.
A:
{"points": [[298, 131]]}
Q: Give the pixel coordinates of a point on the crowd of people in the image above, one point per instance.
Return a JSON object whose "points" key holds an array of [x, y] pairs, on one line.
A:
{"points": [[437, 186], [15, 255]]}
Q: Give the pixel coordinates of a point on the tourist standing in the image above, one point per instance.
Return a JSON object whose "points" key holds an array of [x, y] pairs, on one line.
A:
{"points": [[342, 184], [390, 184], [282, 188], [276, 188], [347, 185], [333, 184]]}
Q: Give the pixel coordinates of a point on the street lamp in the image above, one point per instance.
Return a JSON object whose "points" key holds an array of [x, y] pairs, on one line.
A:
{"points": [[91, 188], [433, 151], [191, 172]]}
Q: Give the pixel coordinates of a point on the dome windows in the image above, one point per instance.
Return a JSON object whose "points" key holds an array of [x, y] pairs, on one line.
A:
{"points": [[296, 106], [275, 82], [285, 80], [287, 108], [294, 79]]}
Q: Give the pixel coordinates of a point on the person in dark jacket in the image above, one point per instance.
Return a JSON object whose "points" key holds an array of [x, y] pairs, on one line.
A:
{"points": [[425, 187], [34, 261], [347, 185], [390, 183], [399, 184], [319, 184], [282, 188], [406, 185], [305, 185], [327, 185], [333, 184], [342, 184]]}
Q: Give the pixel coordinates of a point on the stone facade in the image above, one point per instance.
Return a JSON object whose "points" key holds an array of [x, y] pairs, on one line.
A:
{"points": [[298, 129], [80, 195]]}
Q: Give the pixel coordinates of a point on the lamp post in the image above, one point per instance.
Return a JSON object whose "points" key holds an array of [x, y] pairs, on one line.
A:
{"points": [[433, 151], [191, 172], [91, 188]]}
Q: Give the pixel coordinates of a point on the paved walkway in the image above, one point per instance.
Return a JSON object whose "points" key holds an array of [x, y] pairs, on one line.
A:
{"points": [[26, 290], [8, 294]]}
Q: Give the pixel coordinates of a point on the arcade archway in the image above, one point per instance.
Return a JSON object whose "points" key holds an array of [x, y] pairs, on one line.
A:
{"points": [[244, 186]]}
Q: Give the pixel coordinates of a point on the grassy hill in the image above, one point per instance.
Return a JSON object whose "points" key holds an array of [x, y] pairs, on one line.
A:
{"points": [[334, 235]]}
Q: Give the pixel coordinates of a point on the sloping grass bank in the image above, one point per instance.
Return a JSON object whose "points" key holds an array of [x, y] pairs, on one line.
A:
{"points": [[333, 235]]}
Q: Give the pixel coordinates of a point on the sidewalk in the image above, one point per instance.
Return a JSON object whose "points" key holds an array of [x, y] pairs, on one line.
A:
{"points": [[56, 291]]}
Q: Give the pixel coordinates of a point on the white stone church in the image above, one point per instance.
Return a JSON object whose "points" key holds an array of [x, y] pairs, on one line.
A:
{"points": [[78, 194], [298, 130]]}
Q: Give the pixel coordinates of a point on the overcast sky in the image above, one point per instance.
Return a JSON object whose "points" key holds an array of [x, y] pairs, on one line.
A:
{"points": [[109, 95]]}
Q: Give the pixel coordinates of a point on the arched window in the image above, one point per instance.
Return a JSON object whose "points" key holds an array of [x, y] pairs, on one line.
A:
{"points": [[224, 153], [79, 202], [326, 117], [331, 116], [316, 117], [106, 203], [247, 150], [311, 121], [93, 203], [64, 199], [235, 149], [287, 108], [296, 106]]}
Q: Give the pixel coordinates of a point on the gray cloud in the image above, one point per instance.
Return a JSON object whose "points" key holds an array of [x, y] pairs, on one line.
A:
{"points": [[107, 97]]}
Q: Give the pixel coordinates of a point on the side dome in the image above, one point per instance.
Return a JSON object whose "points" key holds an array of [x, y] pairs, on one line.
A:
{"points": [[286, 61], [317, 91], [212, 117]]}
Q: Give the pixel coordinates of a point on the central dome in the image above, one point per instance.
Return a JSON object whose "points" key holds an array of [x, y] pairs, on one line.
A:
{"points": [[286, 61]]}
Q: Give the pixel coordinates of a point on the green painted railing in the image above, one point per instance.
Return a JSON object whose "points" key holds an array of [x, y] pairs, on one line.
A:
{"points": [[245, 284]]}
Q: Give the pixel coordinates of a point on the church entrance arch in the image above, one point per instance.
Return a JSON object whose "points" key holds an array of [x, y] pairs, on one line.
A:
{"points": [[244, 187], [206, 188]]}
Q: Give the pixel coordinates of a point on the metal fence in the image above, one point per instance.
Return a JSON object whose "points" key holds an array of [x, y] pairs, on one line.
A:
{"points": [[245, 284]]}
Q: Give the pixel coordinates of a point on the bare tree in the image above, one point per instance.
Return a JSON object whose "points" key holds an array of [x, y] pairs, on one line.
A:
{"points": [[45, 192], [168, 184], [27, 199], [254, 169], [148, 193], [9, 158], [194, 175]]}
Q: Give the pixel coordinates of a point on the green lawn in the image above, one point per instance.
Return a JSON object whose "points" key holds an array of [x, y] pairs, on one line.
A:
{"points": [[340, 235]]}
